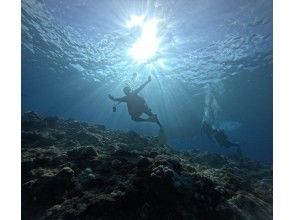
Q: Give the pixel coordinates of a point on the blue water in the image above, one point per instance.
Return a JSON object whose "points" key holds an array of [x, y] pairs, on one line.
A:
{"points": [[214, 62]]}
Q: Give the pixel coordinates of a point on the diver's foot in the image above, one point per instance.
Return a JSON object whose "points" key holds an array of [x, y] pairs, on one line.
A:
{"points": [[155, 118], [157, 121], [159, 124]]}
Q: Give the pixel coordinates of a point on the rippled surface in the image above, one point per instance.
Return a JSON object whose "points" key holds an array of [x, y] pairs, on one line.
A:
{"points": [[202, 40], [204, 44]]}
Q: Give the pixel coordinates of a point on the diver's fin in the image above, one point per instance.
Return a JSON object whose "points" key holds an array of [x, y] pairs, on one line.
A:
{"points": [[161, 136]]}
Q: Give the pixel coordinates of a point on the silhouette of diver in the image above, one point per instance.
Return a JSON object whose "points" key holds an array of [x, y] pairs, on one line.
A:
{"points": [[218, 136], [136, 104]]}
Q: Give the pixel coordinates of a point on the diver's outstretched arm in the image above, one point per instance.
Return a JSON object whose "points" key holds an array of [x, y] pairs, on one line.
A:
{"points": [[143, 85], [122, 99]]}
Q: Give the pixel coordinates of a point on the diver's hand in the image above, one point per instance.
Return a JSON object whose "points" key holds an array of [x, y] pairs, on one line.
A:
{"points": [[110, 96], [149, 78]]}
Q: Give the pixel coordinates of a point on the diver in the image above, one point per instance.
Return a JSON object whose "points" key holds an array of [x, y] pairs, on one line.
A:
{"points": [[136, 104], [218, 136]]}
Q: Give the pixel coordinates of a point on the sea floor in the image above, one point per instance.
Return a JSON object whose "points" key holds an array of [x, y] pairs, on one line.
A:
{"points": [[77, 170]]}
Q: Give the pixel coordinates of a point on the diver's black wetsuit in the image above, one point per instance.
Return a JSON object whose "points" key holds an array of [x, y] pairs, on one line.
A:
{"points": [[222, 139], [136, 105], [217, 135]]}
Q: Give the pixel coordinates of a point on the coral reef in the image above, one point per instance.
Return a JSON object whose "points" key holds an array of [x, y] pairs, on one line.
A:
{"points": [[77, 170]]}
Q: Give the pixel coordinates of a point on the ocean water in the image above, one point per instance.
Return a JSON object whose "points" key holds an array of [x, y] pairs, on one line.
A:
{"points": [[208, 59]]}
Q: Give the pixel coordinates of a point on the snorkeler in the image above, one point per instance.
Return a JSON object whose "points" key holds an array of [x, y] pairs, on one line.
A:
{"points": [[218, 136], [136, 104]]}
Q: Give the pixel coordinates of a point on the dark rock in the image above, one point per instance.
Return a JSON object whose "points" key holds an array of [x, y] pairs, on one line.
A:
{"points": [[59, 135], [145, 211], [248, 206], [72, 143], [51, 121], [95, 128], [122, 146], [39, 139], [133, 134], [161, 160], [84, 152], [143, 162], [102, 206], [153, 154], [31, 121], [48, 189], [73, 126], [85, 137], [162, 172], [65, 176], [212, 160], [100, 127], [117, 194], [86, 177], [176, 165], [116, 163], [59, 160], [124, 153]]}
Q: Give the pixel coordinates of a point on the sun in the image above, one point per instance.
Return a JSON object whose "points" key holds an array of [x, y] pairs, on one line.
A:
{"points": [[148, 42]]}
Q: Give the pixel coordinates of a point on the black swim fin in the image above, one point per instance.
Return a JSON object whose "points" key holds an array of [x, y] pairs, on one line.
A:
{"points": [[161, 136]]}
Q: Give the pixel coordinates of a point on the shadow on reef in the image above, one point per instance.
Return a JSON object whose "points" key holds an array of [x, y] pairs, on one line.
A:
{"points": [[76, 170]]}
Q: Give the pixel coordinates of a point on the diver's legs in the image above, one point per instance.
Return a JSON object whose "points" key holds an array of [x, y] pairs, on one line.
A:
{"points": [[148, 112], [152, 117], [137, 118]]}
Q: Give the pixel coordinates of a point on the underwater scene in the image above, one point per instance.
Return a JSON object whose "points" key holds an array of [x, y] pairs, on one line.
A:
{"points": [[147, 109]]}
